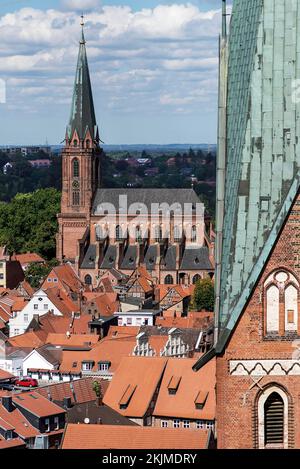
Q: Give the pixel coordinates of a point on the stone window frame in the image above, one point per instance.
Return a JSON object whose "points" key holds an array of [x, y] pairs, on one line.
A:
{"points": [[258, 407], [268, 281]]}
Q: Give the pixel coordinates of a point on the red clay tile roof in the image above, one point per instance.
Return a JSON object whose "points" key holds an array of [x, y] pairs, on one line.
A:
{"points": [[14, 443], [109, 349], [17, 420], [66, 275], [27, 258], [5, 375], [81, 436], [32, 340], [143, 375], [182, 404], [80, 390], [60, 325], [123, 331], [37, 404], [73, 340], [198, 320]]}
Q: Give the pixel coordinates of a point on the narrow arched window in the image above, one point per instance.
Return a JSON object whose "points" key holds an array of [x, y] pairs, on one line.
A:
{"points": [[119, 233], [273, 309], [194, 234], [88, 280], [75, 168], [138, 234], [158, 234], [177, 234], [76, 198], [169, 280], [274, 420], [196, 278]]}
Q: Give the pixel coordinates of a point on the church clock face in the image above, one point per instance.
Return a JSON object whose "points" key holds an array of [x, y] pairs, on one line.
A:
{"points": [[75, 185]]}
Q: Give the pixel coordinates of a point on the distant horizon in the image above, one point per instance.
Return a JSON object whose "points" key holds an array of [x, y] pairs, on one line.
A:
{"points": [[187, 144]]}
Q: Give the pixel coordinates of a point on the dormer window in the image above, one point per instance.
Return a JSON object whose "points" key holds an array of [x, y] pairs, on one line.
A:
{"points": [[127, 396], [104, 366], [87, 365], [201, 399], [174, 384]]}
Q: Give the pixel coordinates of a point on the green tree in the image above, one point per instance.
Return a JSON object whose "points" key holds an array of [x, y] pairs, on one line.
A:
{"points": [[204, 295], [36, 273], [29, 222]]}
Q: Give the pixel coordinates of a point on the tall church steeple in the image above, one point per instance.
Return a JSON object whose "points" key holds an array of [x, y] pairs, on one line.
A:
{"points": [[80, 159], [83, 118]]}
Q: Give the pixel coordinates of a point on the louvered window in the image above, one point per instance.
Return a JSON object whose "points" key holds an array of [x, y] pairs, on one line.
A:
{"points": [[274, 420]]}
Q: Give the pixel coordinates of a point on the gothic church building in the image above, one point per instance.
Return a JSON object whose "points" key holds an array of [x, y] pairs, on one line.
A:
{"points": [[95, 239]]}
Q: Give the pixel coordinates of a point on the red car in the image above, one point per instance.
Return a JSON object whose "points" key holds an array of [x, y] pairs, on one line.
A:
{"points": [[26, 383]]}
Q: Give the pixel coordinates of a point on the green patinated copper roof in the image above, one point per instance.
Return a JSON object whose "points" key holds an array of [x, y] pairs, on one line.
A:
{"points": [[82, 113], [262, 172]]}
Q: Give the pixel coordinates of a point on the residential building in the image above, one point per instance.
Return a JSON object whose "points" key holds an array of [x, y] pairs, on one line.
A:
{"points": [[42, 302], [186, 399], [132, 392]]}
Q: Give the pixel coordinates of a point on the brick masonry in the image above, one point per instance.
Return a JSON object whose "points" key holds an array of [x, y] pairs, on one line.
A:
{"points": [[237, 396]]}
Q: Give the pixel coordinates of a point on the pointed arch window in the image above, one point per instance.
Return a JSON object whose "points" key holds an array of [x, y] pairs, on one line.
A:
{"points": [[196, 278], [138, 234], [158, 234], [169, 280], [119, 233], [76, 198], [281, 289], [177, 234], [75, 169], [274, 420], [194, 234]]}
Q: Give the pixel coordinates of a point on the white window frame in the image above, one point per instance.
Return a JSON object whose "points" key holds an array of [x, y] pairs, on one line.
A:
{"points": [[176, 423], [47, 423], [186, 424], [164, 423]]}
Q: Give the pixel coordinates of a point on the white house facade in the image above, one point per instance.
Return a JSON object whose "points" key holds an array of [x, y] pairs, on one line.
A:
{"points": [[39, 305]]}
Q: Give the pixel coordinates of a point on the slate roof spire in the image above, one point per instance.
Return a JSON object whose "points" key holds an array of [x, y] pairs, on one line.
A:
{"points": [[83, 116]]}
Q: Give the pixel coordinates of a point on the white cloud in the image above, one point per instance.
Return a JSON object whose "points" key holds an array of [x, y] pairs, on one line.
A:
{"points": [[82, 5], [149, 61]]}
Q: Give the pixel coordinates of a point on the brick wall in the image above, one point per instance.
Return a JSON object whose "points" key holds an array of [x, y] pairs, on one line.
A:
{"points": [[237, 396]]}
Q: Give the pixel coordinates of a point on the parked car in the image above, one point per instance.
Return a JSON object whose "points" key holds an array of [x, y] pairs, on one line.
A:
{"points": [[7, 386], [26, 382]]}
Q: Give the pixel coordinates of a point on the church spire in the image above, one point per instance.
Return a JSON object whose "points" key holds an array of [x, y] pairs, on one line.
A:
{"points": [[82, 119]]}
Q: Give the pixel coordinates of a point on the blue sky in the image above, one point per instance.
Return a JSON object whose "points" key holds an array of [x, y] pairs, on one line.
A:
{"points": [[153, 66]]}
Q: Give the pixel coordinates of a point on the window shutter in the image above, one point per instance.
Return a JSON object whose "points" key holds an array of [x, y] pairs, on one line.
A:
{"points": [[274, 420]]}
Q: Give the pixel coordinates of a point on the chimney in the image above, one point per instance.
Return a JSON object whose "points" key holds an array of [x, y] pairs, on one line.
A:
{"points": [[67, 403], [8, 403]]}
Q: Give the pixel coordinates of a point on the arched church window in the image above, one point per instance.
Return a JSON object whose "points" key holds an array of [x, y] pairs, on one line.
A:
{"points": [[88, 144], [288, 285], [273, 309], [75, 168], [119, 233], [158, 234], [76, 198], [169, 280], [138, 234], [274, 420], [194, 234], [88, 280], [196, 278], [75, 143], [177, 234]]}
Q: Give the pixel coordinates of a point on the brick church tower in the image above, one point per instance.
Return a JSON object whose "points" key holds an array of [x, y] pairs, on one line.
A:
{"points": [[257, 333], [80, 163]]}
